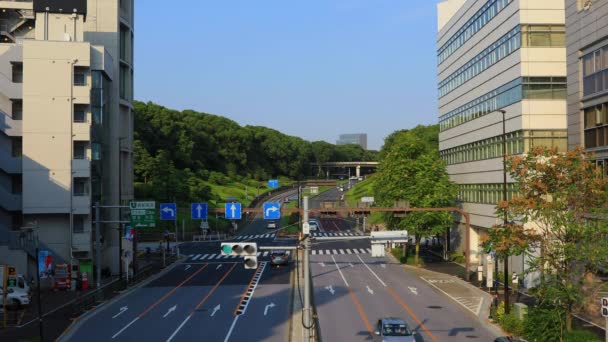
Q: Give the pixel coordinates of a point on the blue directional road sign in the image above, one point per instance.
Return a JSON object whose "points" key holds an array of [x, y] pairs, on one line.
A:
{"points": [[273, 183], [272, 211], [232, 211], [198, 211], [168, 211]]}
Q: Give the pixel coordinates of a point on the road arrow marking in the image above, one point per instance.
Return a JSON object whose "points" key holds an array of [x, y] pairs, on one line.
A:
{"points": [[351, 264], [383, 265], [215, 309], [271, 209], [233, 210], [322, 264], [170, 311], [330, 289], [413, 290], [218, 266], [199, 208], [122, 310], [187, 267], [167, 209], [369, 290], [271, 305]]}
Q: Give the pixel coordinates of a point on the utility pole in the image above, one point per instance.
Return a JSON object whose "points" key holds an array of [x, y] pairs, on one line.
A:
{"points": [[504, 198], [38, 290], [98, 243], [307, 315]]}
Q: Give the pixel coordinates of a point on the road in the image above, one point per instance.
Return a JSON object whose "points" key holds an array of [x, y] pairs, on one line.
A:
{"points": [[352, 291], [207, 295]]}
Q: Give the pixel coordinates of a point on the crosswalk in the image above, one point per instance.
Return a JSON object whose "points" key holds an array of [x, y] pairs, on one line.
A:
{"points": [[341, 251], [335, 234], [255, 236], [219, 256]]}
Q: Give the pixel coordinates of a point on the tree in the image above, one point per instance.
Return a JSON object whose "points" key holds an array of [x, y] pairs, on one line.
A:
{"points": [[564, 199], [412, 170]]}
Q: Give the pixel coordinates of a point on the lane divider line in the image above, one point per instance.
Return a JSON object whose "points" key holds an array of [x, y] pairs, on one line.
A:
{"points": [[253, 284], [159, 301], [201, 303], [412, 314], [356, 301], [374, 273]]}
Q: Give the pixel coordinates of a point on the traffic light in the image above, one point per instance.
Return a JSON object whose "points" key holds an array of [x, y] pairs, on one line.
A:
{"points": [[248, 250], [605, 306]]}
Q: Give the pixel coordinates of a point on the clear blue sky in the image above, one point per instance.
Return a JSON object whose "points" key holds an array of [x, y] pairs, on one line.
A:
{"points": [[309, 68]]}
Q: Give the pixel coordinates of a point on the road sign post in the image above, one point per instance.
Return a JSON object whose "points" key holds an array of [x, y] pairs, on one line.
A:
{"points": [[273, 183], [143, 214], [232, 211], [272, 211], [198, 211]]}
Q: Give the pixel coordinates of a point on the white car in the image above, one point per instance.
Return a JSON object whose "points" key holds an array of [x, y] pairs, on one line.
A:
{"points": [[15, 298], [313, 225]]}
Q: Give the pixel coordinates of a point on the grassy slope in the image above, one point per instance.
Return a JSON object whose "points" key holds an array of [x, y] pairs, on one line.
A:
{"points": [[363, 189]]}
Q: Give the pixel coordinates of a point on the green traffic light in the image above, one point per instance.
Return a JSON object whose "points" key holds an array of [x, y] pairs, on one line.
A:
{"points": [[226, 249]]}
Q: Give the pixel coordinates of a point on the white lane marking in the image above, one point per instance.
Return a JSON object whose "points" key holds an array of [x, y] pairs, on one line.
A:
{"points": [[327, 252], [122, 310], [125, 327], [179, 328], [362, 250], [339, 270], [334, 251], [322, 264], [268, 306], [349, 251], [219, 256], [188, 267], [341, 251], [374, 273], [215, 309], [413, 290], [369, 290], [265, 253], [259, 253], [320, 252], [369, 250], [196, 257], [351, 264], [236, 318], [330, 289], [218, 266], [171, 309], [355, 250], [314, 252], [454, 298]]}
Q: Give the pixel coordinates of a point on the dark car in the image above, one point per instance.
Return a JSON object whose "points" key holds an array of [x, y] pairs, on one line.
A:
{"points": [[393, 329], [509, 339], [279, 257]]}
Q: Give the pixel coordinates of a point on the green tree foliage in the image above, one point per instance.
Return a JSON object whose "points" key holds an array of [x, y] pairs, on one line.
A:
{"points": [[410, 169], [177, 154]]}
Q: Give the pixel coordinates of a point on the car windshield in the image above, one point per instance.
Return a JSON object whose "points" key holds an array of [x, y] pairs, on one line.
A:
{"points": [[278, 254], [395, 330]]}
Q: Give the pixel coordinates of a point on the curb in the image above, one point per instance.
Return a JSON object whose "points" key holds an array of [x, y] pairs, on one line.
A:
{"points": [[80, 320]]}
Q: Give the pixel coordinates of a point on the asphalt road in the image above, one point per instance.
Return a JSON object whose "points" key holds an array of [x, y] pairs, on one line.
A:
{"points": [[208, 296], [352, 291]]}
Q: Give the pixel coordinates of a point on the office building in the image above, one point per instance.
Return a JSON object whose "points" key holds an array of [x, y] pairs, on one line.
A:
{"points": [[356, 138], [587, 57], [66, 99], [497, 55]]}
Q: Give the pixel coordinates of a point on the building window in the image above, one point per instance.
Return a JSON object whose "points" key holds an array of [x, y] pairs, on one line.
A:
{"points": [[483, 16], [596, 126], [17, 109], [17, 148], [543, 36], [123, 83], [595, 71], [80, 76], [78, 223], [80, 113], [81, 186], [95, 151], [484, 193], [80, 149], [544, 88], [17, 72], [496, 52]]}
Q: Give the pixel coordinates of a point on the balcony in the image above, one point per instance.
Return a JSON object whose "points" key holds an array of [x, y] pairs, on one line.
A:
{"points": [[81, 168], [12, 128], [81, 204], [10, 201], [10, 164], [81, 131]]}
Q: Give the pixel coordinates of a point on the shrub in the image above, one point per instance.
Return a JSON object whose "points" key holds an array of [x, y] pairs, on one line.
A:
{"points": [[512, 324], [457, 257], [403, 260], [544, 323], [581, 336]]}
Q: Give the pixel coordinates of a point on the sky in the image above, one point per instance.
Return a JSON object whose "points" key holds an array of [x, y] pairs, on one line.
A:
{"points": [[308, 68]]}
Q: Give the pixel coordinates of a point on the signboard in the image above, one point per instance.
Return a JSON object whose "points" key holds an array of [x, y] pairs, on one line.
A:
{"points": [[45, 264], [314, 190], [204, 225], [273, 183], [129, 233], [232, 211], [168, 211], [143, 214], [198, 211], [306, 228], [367, 199], [272, 211]]}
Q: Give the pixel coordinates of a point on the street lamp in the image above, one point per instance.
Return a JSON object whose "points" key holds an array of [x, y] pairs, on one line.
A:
{"points": [[504, 198]]}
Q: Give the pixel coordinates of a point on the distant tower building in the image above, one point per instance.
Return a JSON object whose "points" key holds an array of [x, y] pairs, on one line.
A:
{"points": [[356, 138]]}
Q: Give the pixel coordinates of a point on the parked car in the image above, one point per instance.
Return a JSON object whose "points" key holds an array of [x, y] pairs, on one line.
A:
{"points": [[393, 329], [14, 297], [279, 257], [313, 225]]}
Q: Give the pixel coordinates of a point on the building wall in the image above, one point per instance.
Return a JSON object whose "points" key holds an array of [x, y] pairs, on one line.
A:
{"points": [[586, 32], [529, 117]]}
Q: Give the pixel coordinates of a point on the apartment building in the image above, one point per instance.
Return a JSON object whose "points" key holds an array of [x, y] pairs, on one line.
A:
{"points": [[66, 123], [354, 138], [587, 57], [493, 56]]}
